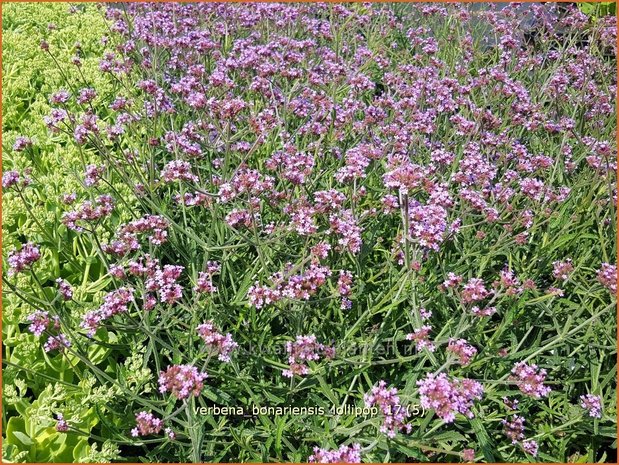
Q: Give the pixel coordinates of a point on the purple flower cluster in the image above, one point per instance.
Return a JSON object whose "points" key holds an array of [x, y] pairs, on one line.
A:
{"points": [[562, 269], [461, 349], [204, 284], [24, 258], [295, 142], [155, 228], [93, 174], [607, 276], [21, 143], [345, 454], [14, 179], [388, 402], [509, 282], [58, 342], [88, 212], [65, 289], [530, 446], [474, 291], [178, 170], [147, 424], [302, 350], [217, 342], [592, 404], [164, 282], [468, 455], [514, 430], [530, 380], [421, 337], [181, 381], [345, 226], [344, 288], [298, 287], [481, 312], [428, 224], [40, 321], [114, 303], [61, 424], [449, 397]]}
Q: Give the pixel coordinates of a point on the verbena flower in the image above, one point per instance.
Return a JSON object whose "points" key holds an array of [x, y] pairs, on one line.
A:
{"points": [[421, 338], [204, 284], [40, 321], [468, 455], [607, 275], [474, 291], [220, 344], [20, 260], [593, 405], [345, 454], [181, 381], [562, 269], [514, 428], [178, 170], [530, 446], [88, 213], [344, 288], [388, 402], [300, 286], [462, 349], [114, 302], [58, 342], [147, 424], [297, 138], [21, 143], [302, 350], [93, 174], [530, 379], [65, 289], [61, 424], [12, 179]]}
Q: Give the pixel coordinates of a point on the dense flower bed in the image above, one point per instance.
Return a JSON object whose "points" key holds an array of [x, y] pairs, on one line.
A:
{"points": [[407, 210]]}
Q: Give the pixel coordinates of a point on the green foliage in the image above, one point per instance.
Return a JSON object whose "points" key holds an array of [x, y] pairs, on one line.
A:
{"points": [[29, 76], [598, 9]]}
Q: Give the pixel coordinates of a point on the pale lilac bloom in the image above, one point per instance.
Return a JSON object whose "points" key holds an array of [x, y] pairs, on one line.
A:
{"points": [[65, 289], [530, 379], [345, 454], [530, 446], [147, 424], [181, 381], [514, 428], [421, 337], [21, 142], [216, 341], [462, 349], [562, 269], [61, 424], [302, 350], [19, 260], [58, 342], [388, 402], [449, 397], [607, 275], [593, 405]]}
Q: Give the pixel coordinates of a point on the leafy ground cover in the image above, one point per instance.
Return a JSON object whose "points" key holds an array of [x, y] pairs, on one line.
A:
{"points": [[307, 232]]}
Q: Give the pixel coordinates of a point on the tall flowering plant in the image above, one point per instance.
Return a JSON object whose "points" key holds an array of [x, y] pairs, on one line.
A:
{"points": [[309, 205]]}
